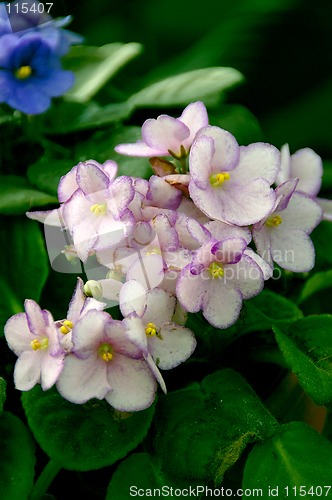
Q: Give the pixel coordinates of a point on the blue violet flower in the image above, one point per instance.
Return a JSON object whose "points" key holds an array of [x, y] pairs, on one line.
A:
{"points": [[31, 73]]}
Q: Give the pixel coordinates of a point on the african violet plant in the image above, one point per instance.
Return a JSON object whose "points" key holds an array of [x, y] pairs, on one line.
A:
{"points": [[153, 333]]}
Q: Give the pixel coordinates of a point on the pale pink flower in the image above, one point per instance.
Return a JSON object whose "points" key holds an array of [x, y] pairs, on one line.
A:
{"points": [[166, 135], [105, 364], [79, 305], [222, 273], [231, 183], [34, 339], [69, 183], [149, 322], [283, 236], [307, 167], [96, 215]]}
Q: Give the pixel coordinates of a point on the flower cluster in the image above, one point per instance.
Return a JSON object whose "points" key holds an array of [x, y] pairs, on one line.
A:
{"points": [[30, 65], [202, 234]]}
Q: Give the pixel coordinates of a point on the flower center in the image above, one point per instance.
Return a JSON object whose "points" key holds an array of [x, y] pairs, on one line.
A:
{"points": [[66, 327], [216, 270], [37, 344], [217, 180], [274, 221], [151, 329], [23, 72], [105, 351], [99, 208]]}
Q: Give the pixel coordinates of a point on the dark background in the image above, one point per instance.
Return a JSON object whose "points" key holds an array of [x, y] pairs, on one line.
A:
{"points": [[283, 48]]}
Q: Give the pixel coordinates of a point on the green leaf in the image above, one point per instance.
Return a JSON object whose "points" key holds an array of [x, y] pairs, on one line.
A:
{"points": [[322, 240], [238, 121], [296, 456], [202, 84], [316, 292], [306, 346], [69, 116], [258, 314], [23, 266], [2, 393], [83, 437], [7, 117], [94, 66], [141, 471], [327, 176], [317, 282], [268, 309], [17, 196], [16, 457], [202, 431], [46, 174], [101, 148], [137, 471]]}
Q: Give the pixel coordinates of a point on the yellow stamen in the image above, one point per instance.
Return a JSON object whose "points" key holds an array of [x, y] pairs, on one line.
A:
{"points": [[23, 72], [99, 208], [105, 351], [216, 270], [217, 180], [39, 344], [107, 356], [151, 329], [274, 221], [154, 251], [66, 327]]}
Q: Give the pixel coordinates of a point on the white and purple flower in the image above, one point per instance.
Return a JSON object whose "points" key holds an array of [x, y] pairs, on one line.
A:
{"points": [[283, 236], [149, 323], [306, 166], [167, 136], [33, 337], [231, 183], [221, 274], [105, 364]]}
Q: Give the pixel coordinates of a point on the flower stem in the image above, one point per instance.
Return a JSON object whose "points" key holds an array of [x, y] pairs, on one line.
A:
{"points": [[45, 479]]}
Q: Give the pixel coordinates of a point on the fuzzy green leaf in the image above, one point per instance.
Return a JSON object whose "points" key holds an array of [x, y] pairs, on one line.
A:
{"points": [[258, 314], [141, 473], [306, 346], [296, 456], [268, 309], [46, 174], [70, 116], [101, 146], [203, 430], [16, 457], [17, 195], [201, 84], [83, 437], [23, 266], [316, 292], [94, 66]]}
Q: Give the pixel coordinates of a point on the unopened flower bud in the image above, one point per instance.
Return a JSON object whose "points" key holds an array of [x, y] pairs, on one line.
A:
{"points": [[93, 289]]}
